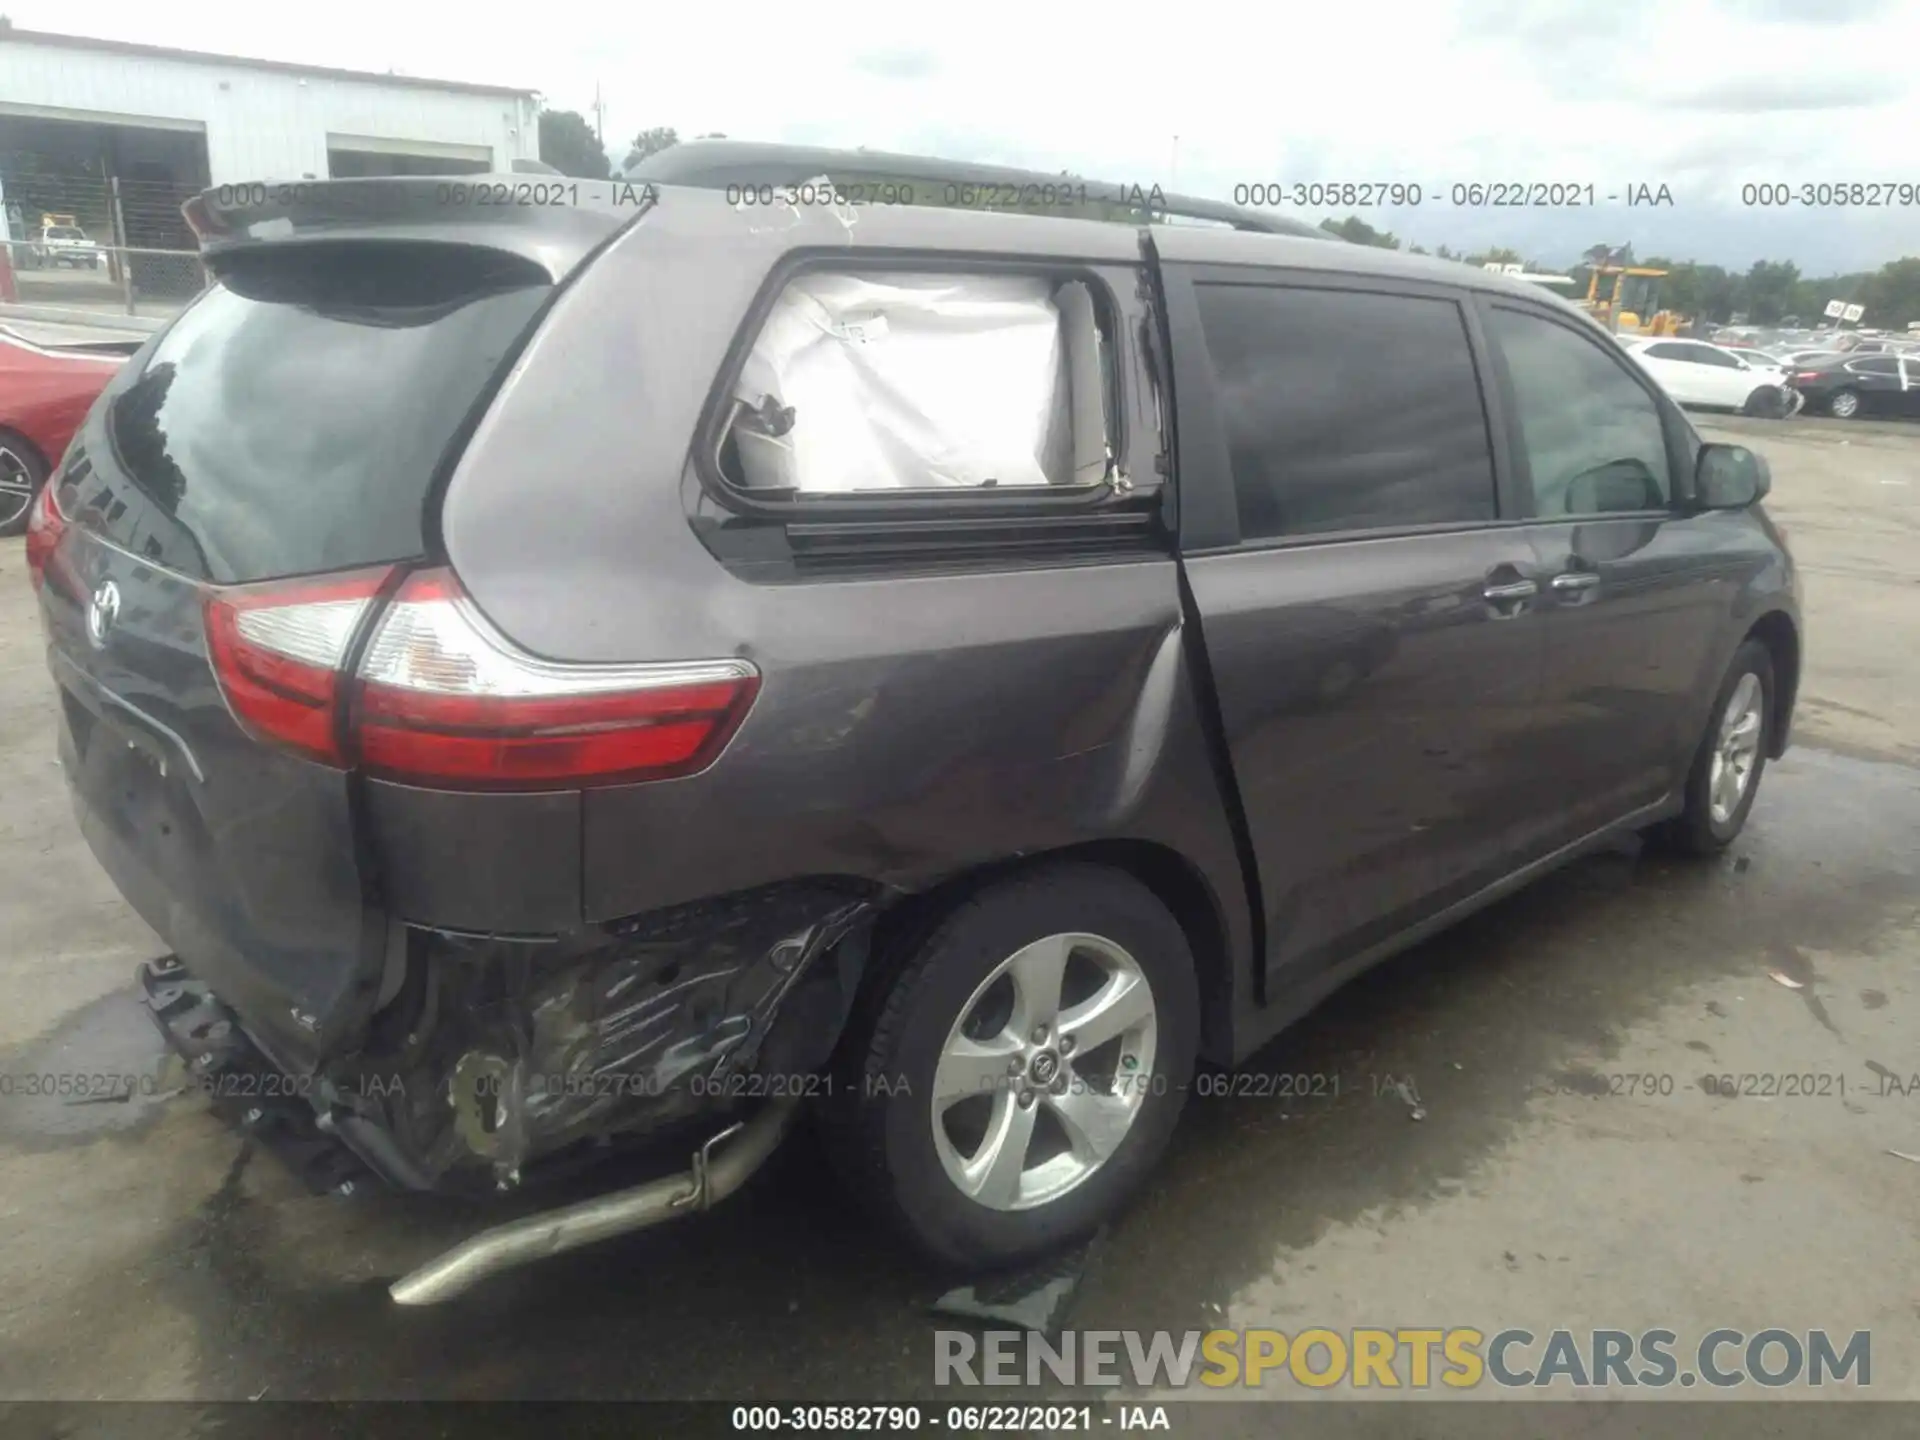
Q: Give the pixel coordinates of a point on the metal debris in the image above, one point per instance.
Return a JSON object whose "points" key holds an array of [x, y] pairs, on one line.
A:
{"points": [[1035, 1299], [1404, 1089]]}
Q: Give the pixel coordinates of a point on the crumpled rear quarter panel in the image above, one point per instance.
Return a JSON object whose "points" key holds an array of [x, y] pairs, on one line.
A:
{"points": [[907, 727], [681, 1012]]}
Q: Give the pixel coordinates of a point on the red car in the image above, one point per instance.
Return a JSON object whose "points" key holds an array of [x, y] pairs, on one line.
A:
{"points": [[44, 395]]}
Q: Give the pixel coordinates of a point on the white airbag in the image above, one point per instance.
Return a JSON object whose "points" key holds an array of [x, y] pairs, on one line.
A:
{"points": [[909, 382]]}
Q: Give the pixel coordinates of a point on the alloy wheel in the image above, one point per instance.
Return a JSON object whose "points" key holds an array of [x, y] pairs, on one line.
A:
{"points": [[1736, 748], [16, 486], [1044, 1072]]}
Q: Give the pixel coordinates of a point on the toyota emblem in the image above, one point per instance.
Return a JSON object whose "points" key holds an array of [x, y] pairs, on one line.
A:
{"points": [[102, 611]]}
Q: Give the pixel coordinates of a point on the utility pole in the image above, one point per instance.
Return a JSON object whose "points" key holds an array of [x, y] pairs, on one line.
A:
{"points": [[599, 116]]}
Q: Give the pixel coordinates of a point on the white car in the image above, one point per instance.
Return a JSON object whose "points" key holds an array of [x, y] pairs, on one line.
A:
{"points": [[1712, 376]]}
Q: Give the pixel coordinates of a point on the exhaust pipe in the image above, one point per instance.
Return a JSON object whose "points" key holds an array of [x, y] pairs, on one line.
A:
{"points": [[552, 1232]]}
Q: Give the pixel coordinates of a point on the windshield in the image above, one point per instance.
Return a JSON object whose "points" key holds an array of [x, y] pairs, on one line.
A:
{"points": [[1639, 294], [292, 419]]}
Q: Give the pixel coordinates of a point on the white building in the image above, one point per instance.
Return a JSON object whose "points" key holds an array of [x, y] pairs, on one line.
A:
{"points": [[161, 124]]}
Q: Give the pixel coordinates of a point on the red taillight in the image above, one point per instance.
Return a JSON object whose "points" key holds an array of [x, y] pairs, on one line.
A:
{"points": [[45, 525], [277, 648], [444, 699], [1805, 375]]}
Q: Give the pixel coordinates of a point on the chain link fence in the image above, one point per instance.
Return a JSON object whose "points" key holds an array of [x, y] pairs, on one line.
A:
{"points": [[106, 279], [84, 238]]}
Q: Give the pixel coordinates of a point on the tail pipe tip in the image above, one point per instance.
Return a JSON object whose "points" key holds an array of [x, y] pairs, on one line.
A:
{"points": [[712, 1178]]}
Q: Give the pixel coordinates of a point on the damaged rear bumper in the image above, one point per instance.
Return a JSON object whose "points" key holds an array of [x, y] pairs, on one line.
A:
{"points": [[241, 1084], [495, 1060]]}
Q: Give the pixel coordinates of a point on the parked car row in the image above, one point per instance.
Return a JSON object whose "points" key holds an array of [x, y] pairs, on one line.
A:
{"points": [[1881, 381], [1827, 341]]}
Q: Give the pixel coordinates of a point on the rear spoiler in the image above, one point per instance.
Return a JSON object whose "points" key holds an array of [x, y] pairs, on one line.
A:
{"points": [[552, 221]]}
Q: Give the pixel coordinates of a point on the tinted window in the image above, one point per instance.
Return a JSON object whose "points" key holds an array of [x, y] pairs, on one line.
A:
{"points": [[1883, 365], [1672, 352], [1590, 434], [1709, 356], [1347, 411], [292, 418]]}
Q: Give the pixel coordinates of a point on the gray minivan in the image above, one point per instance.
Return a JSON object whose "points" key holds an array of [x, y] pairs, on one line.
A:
{"points": [[566, 664]]}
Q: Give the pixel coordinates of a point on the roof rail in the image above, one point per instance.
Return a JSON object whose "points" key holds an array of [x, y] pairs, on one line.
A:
{"points": [[718, 164]]}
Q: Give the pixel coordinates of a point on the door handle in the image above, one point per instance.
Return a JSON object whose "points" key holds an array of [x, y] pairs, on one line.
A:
{"points": [[1575, 581], [1513, 590]]}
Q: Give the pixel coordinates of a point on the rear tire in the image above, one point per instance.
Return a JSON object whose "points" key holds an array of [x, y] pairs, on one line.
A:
{"points": [[1088, 1120], [23, 471], [1731, 757], [1844, 404]]}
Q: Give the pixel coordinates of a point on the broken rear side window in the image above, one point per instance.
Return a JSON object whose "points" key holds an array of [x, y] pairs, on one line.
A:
{"points": [[923, 382]]}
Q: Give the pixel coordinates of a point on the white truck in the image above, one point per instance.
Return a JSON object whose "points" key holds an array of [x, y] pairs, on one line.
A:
{"points": [[60, 241]]}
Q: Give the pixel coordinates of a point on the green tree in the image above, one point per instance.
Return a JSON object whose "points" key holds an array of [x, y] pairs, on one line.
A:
{"points": [[1608, 255], [1716, 293], [1892, 295], [650, 142], [568, 144], [1770, 287], [1684, 290], [1356, 230]]}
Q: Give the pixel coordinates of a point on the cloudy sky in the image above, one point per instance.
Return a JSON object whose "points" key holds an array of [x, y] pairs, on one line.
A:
{"points": [[1699, 95]]}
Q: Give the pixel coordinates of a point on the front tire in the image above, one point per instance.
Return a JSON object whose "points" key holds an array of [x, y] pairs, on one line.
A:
{"points": [[1732, 756], [1844, 405], [1024, 1070], [22, 472]]}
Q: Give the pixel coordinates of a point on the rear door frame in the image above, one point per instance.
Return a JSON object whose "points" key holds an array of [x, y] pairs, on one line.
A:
{"points": [[1208, 524]]}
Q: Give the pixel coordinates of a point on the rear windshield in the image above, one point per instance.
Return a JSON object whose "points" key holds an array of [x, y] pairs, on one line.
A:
{"points": [[292, 419]]}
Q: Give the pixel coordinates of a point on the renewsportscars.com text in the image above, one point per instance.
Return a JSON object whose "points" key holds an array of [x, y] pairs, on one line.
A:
{"points": [[1460, 1358]]}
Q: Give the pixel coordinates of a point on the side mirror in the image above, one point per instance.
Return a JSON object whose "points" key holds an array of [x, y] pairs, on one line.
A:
{"points": [[1730, 477]]}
